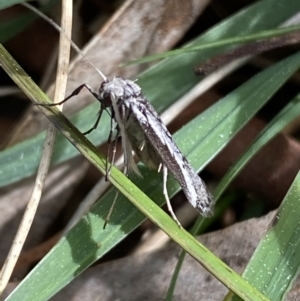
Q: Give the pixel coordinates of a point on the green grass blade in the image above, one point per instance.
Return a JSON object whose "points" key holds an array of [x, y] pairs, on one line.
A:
{"points": [[266, 34], [275, 263]]}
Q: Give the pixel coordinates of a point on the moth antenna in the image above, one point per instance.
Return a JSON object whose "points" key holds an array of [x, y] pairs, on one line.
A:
{"points": [[60, 30]]}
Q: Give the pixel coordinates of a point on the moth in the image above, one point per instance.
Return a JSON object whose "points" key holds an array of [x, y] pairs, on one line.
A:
{"points": [[142, 131]]}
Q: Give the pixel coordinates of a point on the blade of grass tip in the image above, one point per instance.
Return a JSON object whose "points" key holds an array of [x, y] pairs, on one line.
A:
{"points": [[61, 83]]}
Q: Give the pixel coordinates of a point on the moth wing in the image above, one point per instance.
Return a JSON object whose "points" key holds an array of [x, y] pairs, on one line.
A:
{"points": [[162, 141], [129, 163]]}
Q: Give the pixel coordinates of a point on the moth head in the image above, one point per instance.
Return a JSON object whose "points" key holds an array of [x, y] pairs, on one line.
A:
{"points": [[104, 93], [119, 89]]}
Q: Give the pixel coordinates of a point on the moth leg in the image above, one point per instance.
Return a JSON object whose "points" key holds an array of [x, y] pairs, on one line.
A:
{"points": [[111, 210], [114, 150], [110, 140], [74, 93], [96, 123], [108, 168], [165, 192]]}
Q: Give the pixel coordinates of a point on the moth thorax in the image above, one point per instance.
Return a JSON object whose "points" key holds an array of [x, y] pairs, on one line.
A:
{"points": [[119, 89]]}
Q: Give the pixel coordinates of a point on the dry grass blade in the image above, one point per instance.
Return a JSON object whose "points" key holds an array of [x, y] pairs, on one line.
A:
{"points": [[62, 71]]}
